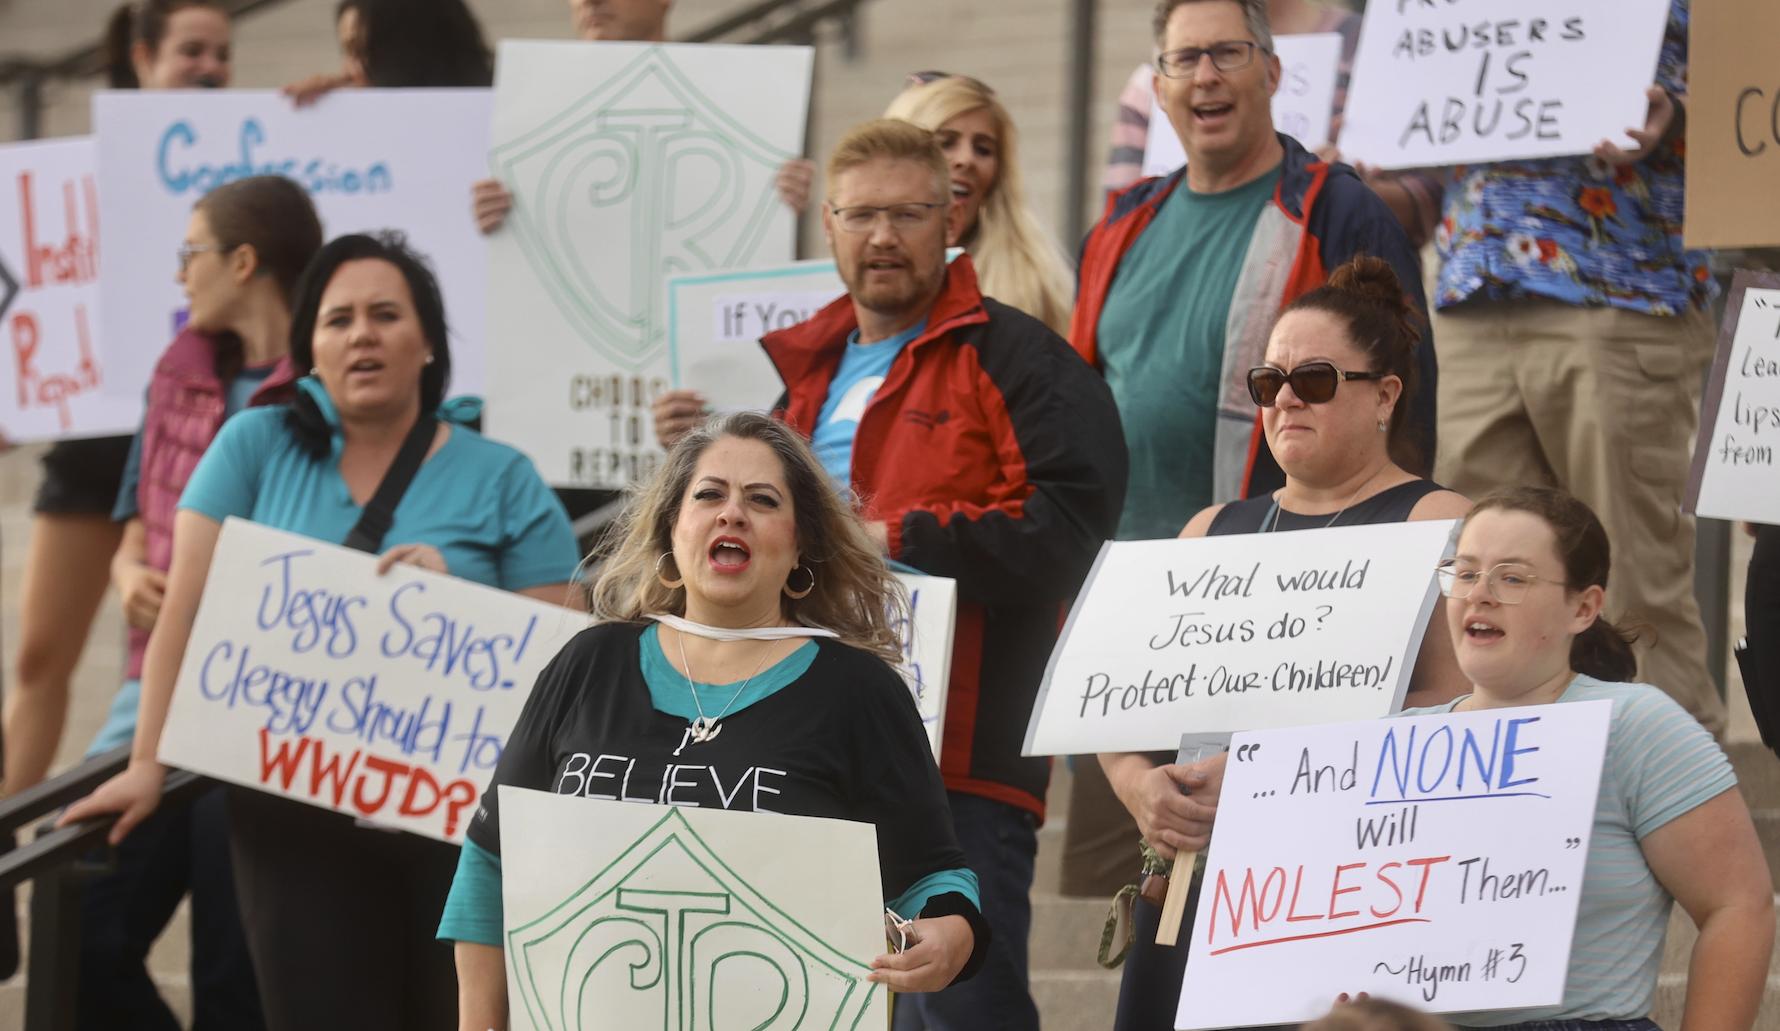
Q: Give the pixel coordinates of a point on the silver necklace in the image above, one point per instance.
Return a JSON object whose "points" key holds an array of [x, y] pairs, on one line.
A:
{"points": [[706, 728], [1271, 522]]}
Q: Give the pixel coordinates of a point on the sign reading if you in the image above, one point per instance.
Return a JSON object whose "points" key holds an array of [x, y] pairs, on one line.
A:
{"points": [[1220, 634], [388, 698], [1433, 860]]}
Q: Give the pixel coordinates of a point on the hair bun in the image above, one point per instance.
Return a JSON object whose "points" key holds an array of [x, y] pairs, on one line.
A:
{"points": [[1374, 281]]}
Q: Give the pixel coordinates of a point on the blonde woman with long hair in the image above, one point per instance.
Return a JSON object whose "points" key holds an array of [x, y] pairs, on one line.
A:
{"points": [[742, 629]]}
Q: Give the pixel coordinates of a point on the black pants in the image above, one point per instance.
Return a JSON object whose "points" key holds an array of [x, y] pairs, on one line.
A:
{"points": [[124, 911], [341, 918], [1761, 611]]}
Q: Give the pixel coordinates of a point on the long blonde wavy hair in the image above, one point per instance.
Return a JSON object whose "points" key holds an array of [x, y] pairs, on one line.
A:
{"points": [[855, 595], [1018, 263]]}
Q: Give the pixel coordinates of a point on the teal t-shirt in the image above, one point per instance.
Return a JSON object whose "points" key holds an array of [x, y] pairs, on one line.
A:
{"points": [[1660, 765], [1161, 347], [482, 504]]}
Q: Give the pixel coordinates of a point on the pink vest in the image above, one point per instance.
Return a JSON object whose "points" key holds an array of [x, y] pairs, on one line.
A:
{"points": [[185, 410]]}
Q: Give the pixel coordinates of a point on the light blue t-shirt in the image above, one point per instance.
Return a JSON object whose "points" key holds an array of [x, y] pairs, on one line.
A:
{"points": [[862, 370], [482, 504], [1660, 764]]}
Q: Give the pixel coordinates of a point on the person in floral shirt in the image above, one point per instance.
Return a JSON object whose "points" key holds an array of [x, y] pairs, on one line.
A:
{"points": [[1574, 330]]}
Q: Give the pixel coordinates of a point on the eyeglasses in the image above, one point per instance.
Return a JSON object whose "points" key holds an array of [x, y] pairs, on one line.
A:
{"points": [[923, 78], [903, 217], [1226, 56], [1507, 582], [187, 251], [1313, 382]]}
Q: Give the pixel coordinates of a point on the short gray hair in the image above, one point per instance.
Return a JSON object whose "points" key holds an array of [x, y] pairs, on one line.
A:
{"points": [[1254, 12]]}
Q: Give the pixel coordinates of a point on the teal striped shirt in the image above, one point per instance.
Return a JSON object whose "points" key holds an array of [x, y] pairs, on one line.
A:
{"points": [[1660, 764]]}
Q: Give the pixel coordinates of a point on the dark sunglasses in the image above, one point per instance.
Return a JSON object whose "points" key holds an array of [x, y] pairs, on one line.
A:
{"points": [[1313, 382]]}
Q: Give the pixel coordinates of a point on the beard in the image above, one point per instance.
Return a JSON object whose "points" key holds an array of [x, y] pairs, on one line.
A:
{"points": [[895, 294]]}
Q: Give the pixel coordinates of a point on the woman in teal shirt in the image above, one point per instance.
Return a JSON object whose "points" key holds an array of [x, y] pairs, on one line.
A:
{"points": [[340, 918]]}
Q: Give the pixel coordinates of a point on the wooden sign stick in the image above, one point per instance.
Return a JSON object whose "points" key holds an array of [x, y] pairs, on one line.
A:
{"points": [[1193, 747]]}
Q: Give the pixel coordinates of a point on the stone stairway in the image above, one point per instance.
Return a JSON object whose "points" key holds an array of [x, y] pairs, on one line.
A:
{"points": [[1074, 994]]}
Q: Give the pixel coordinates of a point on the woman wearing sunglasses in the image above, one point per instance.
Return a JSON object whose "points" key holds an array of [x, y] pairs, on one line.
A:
{"points": [[1524, 599], [1334, 394]]}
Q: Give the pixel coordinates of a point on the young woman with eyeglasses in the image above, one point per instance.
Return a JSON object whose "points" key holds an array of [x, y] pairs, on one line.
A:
{"points": [[1524, 611], [1334, 394]]}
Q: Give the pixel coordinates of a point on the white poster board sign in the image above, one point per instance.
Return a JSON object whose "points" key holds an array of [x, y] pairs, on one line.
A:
{"points": [[1220, 634], [1464, 81], [388, 698], [1303, 107], [621, 916], [927, 647], [1435, 861], [370, 159], [716, 320], [1734, 463], [628, 163], [51, 375]]}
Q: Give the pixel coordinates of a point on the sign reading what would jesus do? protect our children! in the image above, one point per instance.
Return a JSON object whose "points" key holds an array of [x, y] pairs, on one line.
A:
{"points": [[51, 375], [1432, 860], [1221, 634], [388, 698], [1734, 467], [1445, 82]]}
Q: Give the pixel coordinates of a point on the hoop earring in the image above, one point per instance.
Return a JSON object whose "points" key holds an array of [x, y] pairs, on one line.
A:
{"points": [[672, 585], [805, 593]]}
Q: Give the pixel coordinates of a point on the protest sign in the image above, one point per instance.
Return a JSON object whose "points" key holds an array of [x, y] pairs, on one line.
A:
{"points": [[716, 320], [621, 916], [927, 647], [1733, 473], [1303, 106], [51, 376], [370, 159], [1435, 861], [628, 162], [1445, 82], [387, 697], [1214, 634], [1733, 124]]}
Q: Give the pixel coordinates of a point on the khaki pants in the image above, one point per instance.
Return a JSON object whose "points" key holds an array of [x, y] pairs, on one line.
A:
{"points": [[1605, 404]]}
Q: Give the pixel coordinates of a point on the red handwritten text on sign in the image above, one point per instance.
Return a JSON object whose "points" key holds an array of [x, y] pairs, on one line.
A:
{"points": [[368, 783]]}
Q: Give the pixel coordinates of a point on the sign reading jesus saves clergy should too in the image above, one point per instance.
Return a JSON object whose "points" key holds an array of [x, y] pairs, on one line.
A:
{"points": [[1221, 634], [388, 698]]}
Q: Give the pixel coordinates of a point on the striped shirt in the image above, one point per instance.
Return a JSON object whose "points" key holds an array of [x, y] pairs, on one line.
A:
{"points": [[1660, 765]]}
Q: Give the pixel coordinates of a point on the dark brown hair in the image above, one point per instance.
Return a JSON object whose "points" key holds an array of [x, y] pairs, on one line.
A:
{"points": [[140, 21], [1368, 298], [420, 43], [1603, 651], [275, 217]]}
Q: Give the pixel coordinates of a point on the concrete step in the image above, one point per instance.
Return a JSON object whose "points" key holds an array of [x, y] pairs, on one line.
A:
{"points": [[1065, 932], [1671, 997], [1758, 773], [1077, 1000]]}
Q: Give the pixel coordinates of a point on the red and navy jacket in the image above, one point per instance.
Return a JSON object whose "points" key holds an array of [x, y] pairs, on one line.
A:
{"points": [[995, 456], [1321, 216]]}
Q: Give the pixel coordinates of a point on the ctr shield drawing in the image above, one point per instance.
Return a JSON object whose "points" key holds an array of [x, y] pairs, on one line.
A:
{"points": [[668, 934], [649, 166]]}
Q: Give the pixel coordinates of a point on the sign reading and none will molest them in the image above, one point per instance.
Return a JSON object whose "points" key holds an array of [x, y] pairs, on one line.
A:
{"points": [[1432, 860], [388, 698], [1220, 634]]}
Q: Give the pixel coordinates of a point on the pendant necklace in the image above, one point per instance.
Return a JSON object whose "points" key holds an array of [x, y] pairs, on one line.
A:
{"points": [[1271, 522], [706, 728]]}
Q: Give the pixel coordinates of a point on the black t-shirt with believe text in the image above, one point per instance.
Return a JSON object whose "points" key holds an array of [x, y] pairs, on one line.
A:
{"points": [[843, 741]]}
